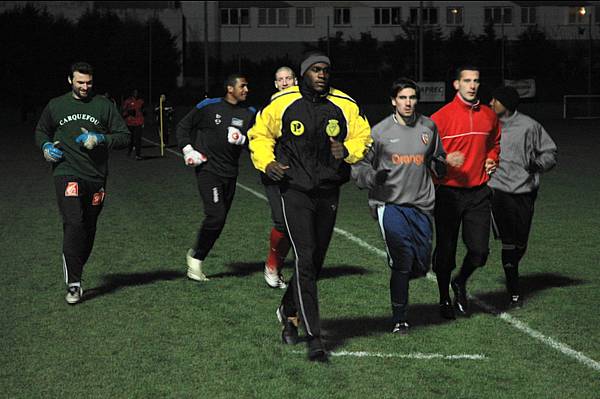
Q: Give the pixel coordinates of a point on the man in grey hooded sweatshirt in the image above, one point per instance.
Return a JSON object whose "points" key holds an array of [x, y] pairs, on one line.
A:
{"points": [[526, 151]]}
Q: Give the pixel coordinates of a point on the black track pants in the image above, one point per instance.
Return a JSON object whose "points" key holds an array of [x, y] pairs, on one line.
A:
{"points": [[80, 203], [310, 218]]}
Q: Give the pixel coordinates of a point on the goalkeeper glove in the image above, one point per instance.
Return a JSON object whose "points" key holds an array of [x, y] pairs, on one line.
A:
{"points": [[51, 153], [89, 139], [234, 136], [192, 157]]}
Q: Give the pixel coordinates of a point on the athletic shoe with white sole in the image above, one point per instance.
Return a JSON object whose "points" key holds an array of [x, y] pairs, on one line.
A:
{"points": [[515, 302], [194, 271], [74, 294], [401, 328], [274, 279]]}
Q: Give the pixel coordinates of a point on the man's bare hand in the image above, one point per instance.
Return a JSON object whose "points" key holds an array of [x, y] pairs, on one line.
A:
{"points": [[455, 159], [337, 148], [490, 166], [276, 171]]}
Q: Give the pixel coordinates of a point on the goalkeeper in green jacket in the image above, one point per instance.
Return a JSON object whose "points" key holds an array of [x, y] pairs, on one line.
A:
{"points": [[75, 132]]}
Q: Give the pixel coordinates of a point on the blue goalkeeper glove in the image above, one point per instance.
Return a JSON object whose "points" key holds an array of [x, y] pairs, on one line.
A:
{"points": [[90, 139], [51, 153]]}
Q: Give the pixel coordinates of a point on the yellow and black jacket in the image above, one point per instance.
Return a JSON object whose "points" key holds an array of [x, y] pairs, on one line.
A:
{"points": [[295, 128]]}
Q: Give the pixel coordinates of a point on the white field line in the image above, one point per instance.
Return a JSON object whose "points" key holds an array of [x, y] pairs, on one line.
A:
{"points": [[416, 355], [513, 321]]}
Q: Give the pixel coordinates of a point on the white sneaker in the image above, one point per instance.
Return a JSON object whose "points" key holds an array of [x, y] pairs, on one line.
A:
{"points": [[194, 270], [74, 294], [274, 279]]}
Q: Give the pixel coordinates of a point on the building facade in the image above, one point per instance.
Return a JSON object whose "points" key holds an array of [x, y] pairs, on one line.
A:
{"points": [[254, 30]]}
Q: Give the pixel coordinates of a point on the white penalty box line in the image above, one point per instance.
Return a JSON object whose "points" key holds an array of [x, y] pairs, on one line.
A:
{"points": [[511, 320]]}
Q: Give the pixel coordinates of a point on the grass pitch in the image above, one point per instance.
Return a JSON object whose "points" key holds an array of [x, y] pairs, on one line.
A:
{"points": [[145, 331]]}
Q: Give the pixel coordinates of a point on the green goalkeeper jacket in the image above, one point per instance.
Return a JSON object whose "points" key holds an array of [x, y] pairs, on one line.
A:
{"points": [[63, 119]]}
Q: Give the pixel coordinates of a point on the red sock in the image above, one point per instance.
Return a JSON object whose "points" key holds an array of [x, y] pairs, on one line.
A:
{"points": [[278, 249]]}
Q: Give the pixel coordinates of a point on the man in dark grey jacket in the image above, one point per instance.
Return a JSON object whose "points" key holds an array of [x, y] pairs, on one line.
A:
{"points": [[526, 150]]}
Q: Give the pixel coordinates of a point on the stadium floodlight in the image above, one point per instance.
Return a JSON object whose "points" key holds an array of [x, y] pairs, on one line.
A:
{"points": [[581, 106], [583, 11]]}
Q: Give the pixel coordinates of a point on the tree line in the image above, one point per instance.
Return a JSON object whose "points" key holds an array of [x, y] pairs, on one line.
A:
{"points": [[38, 48]]}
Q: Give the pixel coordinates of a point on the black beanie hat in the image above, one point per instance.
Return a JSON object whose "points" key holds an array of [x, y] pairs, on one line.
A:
{"points": [[508, 96], [313, 59]]}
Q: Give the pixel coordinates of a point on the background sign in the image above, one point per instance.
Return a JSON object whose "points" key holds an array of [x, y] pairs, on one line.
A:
{"points": [[432, 92], [525, 87]]}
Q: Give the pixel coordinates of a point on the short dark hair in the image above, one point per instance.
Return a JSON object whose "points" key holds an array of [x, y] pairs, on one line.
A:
{"points": [[231, 80], [403, 83], [465, 67], [82, 67]]}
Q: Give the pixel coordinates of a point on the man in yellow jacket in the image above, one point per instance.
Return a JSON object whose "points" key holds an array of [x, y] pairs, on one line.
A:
{"points": [[320, 132]]}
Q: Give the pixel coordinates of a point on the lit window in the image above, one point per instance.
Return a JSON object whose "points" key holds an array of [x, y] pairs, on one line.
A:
{"points": [[577, 15], [454, 16]]}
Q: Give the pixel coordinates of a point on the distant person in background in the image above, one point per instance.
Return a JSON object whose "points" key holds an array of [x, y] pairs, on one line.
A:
{"points": [[211, 137], [526, 151], [471, 137], [75, 132], [279, 242], [133, 112], [167, 117], [397, 170]]}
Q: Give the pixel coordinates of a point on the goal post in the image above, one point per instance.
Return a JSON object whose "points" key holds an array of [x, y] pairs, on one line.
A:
{"points": [[581, 106]]}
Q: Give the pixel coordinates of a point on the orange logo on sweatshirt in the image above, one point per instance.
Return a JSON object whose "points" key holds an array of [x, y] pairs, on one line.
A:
{"points": [[400, 159]]}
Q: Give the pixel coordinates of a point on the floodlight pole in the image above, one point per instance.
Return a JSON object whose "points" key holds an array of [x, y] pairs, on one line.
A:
{"points": [[240, 43], [328, 33], [206, 47], [150, 61], [420, 41], [502, 45], [590, 52]]}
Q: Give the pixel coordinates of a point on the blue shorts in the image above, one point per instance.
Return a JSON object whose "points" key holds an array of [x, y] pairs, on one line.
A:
{"points": [[408, 234]]}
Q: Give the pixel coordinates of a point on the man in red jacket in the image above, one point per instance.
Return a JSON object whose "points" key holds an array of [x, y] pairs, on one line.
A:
{"points": [[133, 113], [471, 137]]}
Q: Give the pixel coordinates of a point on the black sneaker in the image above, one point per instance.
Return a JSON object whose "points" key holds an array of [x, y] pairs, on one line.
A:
{"points": [[446, 310], [515, 302], [289, 333], [316, 350], [460, 298], [401, 328]]}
